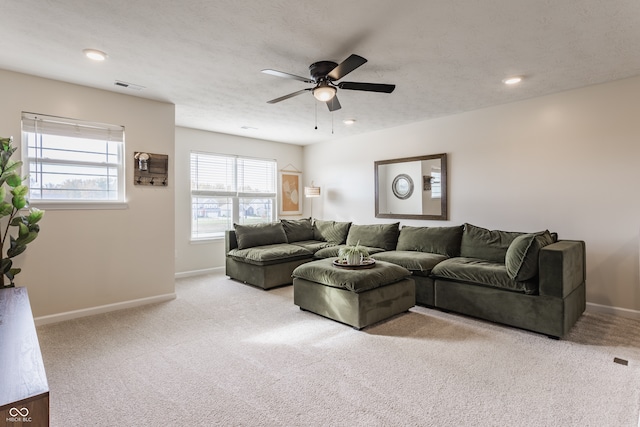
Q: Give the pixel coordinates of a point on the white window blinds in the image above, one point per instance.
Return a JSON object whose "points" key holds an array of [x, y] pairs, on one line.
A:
{"points": [[230, 189], [73, 161]]}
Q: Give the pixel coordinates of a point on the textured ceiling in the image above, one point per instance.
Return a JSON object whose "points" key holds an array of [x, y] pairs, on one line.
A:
{"points": [[445, 56]]}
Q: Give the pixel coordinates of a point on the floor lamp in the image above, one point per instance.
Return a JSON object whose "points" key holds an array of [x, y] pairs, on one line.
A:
{"points": [[312, 192]]}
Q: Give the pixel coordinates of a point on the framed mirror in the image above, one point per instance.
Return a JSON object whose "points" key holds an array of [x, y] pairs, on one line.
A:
{"points": [[412, 187]]}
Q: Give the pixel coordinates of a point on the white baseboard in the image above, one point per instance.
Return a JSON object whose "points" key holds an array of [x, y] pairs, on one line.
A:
{"points": [[60, 317], [199, 272], [622, 312]]}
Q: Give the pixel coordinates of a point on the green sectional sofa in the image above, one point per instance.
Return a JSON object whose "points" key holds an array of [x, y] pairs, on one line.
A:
{"points": [[531, 281]]}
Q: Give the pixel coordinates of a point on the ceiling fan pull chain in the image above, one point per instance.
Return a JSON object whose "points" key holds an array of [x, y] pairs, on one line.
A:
{"points": [[316, 104]]}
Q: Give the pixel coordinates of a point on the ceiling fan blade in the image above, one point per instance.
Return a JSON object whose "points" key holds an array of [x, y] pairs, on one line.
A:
{"points": [[346, 66], [287, 75], [291, 95], [334, 104], [369, 87]]}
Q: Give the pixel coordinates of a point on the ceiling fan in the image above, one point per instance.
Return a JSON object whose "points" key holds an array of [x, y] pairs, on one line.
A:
{"points": [[324, 74]]}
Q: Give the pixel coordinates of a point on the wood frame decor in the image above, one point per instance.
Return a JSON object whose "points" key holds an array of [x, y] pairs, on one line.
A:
{"points": [[290, 190], [150, 169], [430, 203]]}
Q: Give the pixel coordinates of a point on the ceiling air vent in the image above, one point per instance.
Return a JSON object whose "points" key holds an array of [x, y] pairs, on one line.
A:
{"points": [[128, 85]]}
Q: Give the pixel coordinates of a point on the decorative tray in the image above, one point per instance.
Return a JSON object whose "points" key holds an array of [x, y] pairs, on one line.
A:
{"points": [[367, 263]]}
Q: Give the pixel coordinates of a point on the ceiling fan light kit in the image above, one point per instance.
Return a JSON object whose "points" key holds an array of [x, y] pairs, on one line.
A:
{"points": [[323, 92], [324, 74]]}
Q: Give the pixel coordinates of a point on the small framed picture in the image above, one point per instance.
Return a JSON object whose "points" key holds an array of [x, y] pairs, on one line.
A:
{"points": [[290, 193]]}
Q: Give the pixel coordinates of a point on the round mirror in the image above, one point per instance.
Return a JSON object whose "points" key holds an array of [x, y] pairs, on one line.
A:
{"points": [[402, 186]]}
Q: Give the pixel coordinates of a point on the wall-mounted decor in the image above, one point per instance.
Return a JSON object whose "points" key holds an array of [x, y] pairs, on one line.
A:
{"points": [[150, 169], [402, 186], [290, 192], [397, 195]]}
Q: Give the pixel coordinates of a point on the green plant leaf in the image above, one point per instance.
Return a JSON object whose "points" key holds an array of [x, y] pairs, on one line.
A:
{"points": [[17, 220], [15, 251], [14, 180], [19, 202], [35, 215], [12, 272], [5, 265], [20, 190], [5, 209], [23, 230], [27, 238], [11, 166]]}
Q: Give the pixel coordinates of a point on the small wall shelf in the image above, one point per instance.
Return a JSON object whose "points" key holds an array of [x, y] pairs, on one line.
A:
{"points": [[151, 169]]}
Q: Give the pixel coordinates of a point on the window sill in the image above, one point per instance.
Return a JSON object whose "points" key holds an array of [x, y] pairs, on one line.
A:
{"points": [[78, 205], [206, 240]]}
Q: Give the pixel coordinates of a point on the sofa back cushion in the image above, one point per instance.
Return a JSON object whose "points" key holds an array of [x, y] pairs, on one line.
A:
{"points": [[384, 236], [435, 240], [489, 245], [249, 236], [522, 255], [297, 230], [330, 231]]}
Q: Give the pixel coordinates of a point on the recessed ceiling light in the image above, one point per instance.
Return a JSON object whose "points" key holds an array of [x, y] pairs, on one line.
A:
{"points": [[96, 55], [349, 121], [514, 80]]}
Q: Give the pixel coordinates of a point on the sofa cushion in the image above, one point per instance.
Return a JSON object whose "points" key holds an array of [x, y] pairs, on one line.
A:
{"points": [[481, 272], [297, 229], [435, 240], [270, 254], [313, 245], [330, 231], [419, 263], [249, 236], [383, 236], [490, 245], [522, 256], [322, 271]]}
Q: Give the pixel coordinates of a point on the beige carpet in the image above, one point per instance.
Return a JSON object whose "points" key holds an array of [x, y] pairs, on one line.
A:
{"points": [[224, 353]]}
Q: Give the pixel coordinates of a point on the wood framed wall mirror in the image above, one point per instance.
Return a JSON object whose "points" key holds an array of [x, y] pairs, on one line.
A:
{"points": [[412, 187]]}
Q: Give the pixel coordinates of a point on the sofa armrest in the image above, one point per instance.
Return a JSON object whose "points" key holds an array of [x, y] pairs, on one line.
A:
{"points": [[562, 267], [230, 241]]}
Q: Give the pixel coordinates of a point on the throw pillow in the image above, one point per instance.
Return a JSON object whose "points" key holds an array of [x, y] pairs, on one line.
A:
{"points": [[249, 236], [384, 236], [489, 245], [434, 240], [522, 256], [297, 230], [330, 231]]}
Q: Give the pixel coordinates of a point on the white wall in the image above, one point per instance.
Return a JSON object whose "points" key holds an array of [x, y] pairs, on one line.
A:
{"points": [[568, 162], [88, 258], [198, 256]]}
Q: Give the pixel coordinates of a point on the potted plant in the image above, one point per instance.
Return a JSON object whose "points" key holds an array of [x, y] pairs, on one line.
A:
{"points": [[353, 255], [13, 200]]}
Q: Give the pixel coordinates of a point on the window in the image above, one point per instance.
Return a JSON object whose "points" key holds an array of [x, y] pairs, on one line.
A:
{"points": [[230, 189], [436, 183], [72, 161]]}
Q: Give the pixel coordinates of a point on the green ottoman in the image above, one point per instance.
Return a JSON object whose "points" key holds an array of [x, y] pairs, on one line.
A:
{"points": [[357, 297]]}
